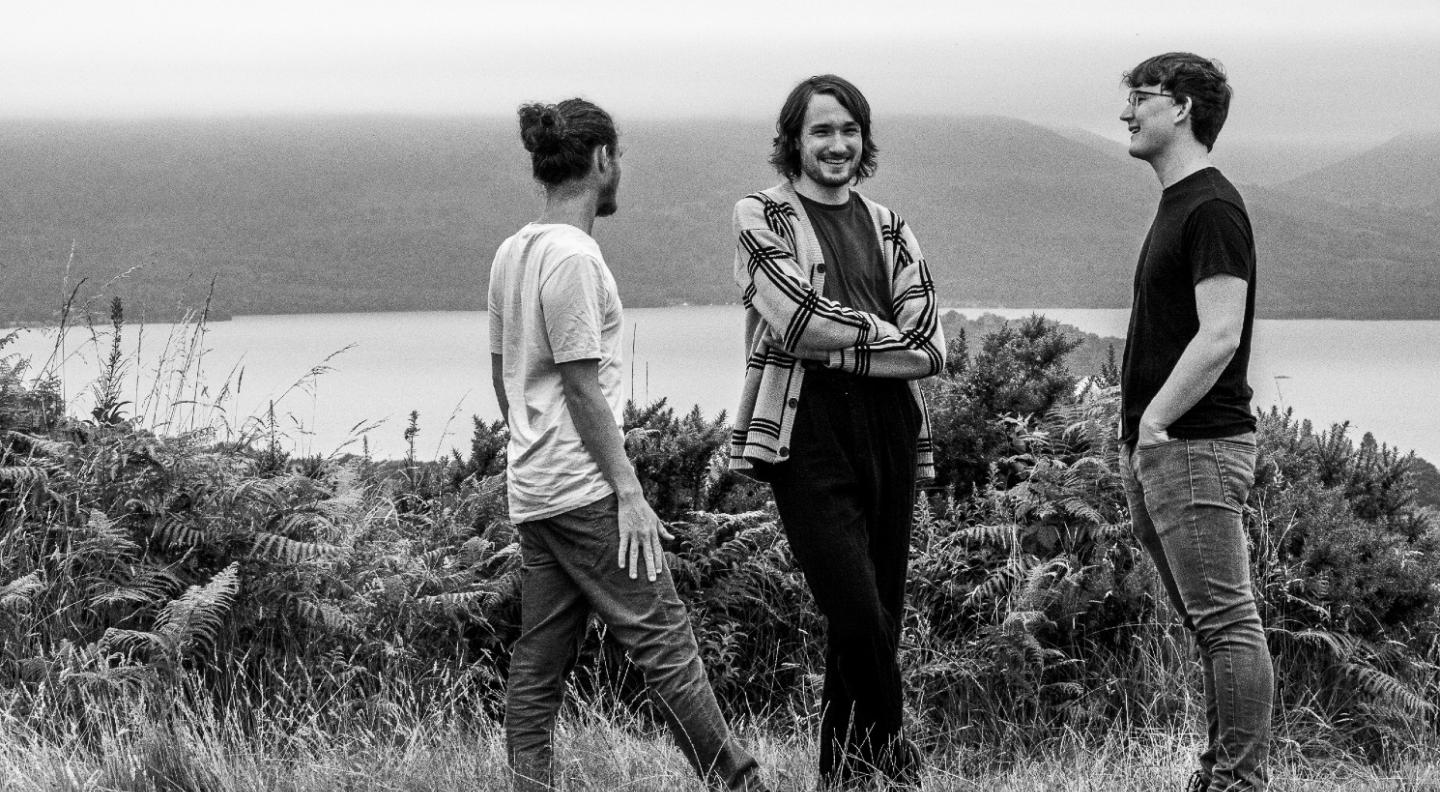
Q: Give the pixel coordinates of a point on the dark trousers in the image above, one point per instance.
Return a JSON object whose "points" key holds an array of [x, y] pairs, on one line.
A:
{"points": [[846, 497]]}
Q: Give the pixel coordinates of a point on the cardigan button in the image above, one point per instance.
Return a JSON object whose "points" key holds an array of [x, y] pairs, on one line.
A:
{"points": [[793, 402], [819, 267], [784, 451]]}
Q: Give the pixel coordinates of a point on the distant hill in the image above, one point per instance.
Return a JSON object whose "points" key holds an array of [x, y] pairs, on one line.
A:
{"points": [[1398, 174], [378, 213], [1264, 162]]}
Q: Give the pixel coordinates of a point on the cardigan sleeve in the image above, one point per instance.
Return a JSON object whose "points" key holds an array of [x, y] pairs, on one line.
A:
{"points": [[919, 350], [773, 284]]}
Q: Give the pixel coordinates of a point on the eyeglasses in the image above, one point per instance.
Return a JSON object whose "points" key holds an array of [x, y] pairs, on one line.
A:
{"points": [[1135, 98]]}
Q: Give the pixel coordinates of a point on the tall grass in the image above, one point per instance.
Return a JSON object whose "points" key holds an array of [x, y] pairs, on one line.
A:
{"points": [[600, 746], [179, 614]]}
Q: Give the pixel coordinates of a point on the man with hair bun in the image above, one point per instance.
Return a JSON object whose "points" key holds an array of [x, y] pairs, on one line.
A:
{"points": [[1187, 455], [586, 531], [840, 324]]}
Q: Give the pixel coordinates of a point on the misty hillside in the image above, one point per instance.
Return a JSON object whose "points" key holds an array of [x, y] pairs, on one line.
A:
{"points": [[1398, 174], [354, 214]]}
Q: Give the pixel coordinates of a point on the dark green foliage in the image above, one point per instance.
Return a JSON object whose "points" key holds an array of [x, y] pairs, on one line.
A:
{"points": [[681, 462], [754, 619], [133, 564], [487, 451], [1347, 568], [1018, 372]]}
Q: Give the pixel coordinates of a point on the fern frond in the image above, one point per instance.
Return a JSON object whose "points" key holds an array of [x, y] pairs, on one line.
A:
{"points": [[16, 595], [1032, 595], [126, 642], [1379, 685], [325, 614], [23, 475], [1006, 537], [149, 587], [194, 618], [41, 446], [462, 601], [1340, 647], [282, 548], [1000, 582], [102, 536], [173, 532]]}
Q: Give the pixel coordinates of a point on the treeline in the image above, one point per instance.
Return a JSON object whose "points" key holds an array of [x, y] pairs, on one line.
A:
{"points": [[148, 573]]}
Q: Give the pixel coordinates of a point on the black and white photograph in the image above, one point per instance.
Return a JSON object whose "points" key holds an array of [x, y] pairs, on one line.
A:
{"points": [[432, 396]]}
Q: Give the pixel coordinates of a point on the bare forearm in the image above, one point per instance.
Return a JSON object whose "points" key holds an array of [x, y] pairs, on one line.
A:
{"points": [[602, 438], [1220, 306], [1199, 367], [497, 381]]}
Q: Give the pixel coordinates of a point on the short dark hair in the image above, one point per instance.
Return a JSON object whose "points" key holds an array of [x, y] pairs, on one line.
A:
{"points": [[786, 155], [561, 137], [1189, 76]]}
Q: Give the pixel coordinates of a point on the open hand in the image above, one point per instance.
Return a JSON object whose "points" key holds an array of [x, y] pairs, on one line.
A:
{"points": [[640, 535]]}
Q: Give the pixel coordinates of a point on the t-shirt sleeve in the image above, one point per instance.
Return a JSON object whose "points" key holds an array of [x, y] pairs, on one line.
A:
{"points": [[570, 296], [495, 307], [1220, 241]]}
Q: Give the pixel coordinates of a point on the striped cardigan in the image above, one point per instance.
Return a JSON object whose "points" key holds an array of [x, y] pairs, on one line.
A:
{"points": [[781, 273]]}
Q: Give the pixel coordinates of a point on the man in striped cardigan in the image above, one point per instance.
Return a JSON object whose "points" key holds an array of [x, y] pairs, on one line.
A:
{"points": [[841, 323]]}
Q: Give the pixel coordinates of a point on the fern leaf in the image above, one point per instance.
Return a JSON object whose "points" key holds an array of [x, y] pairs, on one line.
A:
{"points": [[460, 601], [126, 642], [172, 533], [324, 614], [151, 586], [16, 595], [102, 536], [23, 475], [1033, 593], [39, 445], [1000, 582], [1381, 686], [194, 618], [282, 548], [1003, 536]]}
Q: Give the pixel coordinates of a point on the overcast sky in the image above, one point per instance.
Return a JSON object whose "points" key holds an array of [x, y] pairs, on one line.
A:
{"points": [[1311, 69]]}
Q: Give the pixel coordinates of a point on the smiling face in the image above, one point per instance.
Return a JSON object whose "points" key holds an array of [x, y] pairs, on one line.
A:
{"points": [[1151, 115], [830, 144]]}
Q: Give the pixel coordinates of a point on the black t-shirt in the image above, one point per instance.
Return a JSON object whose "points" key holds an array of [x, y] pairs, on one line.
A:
{"points": [[854, 263], [1201, 229]]}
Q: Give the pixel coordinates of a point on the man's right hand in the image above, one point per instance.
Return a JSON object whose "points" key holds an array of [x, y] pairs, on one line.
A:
{"points": [[640, 535]]}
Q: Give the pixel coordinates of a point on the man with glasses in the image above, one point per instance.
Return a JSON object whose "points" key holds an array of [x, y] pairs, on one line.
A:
{"points": [[1187, 431]]}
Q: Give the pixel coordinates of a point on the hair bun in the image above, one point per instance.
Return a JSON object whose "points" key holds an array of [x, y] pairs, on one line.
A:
{"points": [[542, 129]]}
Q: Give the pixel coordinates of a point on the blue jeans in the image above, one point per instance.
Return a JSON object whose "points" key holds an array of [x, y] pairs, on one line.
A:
{"points": [[569, 570], [1187, 500]]}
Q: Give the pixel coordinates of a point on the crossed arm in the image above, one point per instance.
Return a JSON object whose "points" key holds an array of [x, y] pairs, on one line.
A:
{"points": [[803, 323]]}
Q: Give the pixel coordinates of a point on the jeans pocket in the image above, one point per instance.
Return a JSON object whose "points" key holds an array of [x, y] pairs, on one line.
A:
{"points": [[593, 531], [1236, 461]]}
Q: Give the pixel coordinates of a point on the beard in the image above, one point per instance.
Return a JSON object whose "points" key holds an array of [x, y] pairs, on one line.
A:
{"points": [[819, 173], [608, 203]]}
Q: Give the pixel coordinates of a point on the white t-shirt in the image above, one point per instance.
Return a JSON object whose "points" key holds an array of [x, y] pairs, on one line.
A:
{"points": [[552, 300]]}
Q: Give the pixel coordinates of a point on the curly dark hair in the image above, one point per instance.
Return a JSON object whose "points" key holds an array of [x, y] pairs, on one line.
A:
{"points": [[560, 138], [786, 155], [1189, 76]]}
